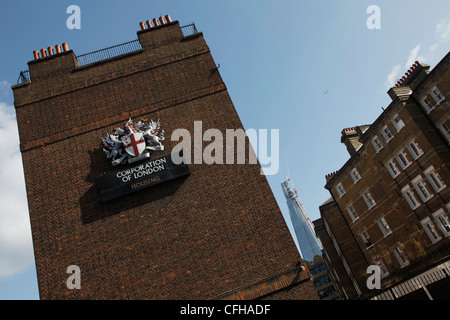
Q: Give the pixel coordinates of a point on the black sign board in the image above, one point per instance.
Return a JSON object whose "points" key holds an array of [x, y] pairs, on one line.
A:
{"points": [[139, 176]]}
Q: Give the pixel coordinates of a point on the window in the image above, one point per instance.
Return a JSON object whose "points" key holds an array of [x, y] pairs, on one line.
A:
{"points": [[410, 198], [392, 168], [387, 133], [320, 268], [384, 227], [442, 221], [365, 238], [403, 160], [397, 122], [340, 189], [352, 213], [322, 280], [400, 255], [368, 199], [377, 144], [355, 175], [437, 95], [427, 104], [414, 149], [421, 188], [428, 226], [379, 262], [435, 180], [445, 128]]}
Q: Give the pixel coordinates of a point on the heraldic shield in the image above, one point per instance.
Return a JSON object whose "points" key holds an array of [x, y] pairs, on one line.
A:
{"points": [[134, 144]]}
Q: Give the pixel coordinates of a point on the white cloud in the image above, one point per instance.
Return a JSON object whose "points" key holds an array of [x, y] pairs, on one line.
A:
{"points": [[443, 30], [397, 72], [412, 57], [393, 76], [442, 33], [5, 88], [16, 250]]}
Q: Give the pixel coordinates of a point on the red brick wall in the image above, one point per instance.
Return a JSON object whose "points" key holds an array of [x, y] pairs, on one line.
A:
{"points": [[192, 238]]}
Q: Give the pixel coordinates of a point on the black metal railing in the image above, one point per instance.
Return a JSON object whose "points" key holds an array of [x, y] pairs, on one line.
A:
{"points": [[189, 30], [110, 52], [24, 76]]}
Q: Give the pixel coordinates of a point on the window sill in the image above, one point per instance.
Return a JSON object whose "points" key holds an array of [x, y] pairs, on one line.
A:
{"points": [[418, 156], [354, 220], [389, 139], [439, 102], [406, 166], [428, 110], [387, 234], [404, 265], [425, 200]]}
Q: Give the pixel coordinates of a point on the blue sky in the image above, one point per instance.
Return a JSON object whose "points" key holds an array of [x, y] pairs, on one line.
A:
{"points": [[307, 68]]}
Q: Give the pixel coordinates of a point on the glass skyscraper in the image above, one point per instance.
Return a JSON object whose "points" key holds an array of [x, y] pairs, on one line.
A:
{"points": [[310, 246], [304, 230]]}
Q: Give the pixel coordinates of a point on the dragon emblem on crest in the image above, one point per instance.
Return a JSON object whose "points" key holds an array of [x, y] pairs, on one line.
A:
{"points": [[133, 142]]}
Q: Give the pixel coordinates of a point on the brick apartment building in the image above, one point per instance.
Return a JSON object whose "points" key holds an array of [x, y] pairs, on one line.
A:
{"points": [[216, 233], [390, 201]]}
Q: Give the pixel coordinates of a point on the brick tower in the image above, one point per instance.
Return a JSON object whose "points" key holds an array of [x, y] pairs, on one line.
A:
{"points": [[215, 233]]}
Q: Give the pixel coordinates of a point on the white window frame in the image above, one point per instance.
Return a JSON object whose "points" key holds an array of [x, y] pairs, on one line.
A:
{"points": [[355, 175], [400, 161], [352, 212], [340, 189], [427, 103], [421, 188], [437, 96], [408, 193], [368, 199], [387, 135], [443, 221], [392, 168], [380, 263], [398, 125], [400, 255], [365, 238], [384, 226], [445, 131], [414, 149], [376, 142], [435, 179], [430, 230]]}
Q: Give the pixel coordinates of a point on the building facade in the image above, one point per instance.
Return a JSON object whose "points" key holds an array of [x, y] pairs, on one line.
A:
{"points": [[390, 201], [215, 232], [310, 247]]}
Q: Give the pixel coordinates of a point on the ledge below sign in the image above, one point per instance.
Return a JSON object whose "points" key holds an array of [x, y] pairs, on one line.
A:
{"points": [[140, 176]]}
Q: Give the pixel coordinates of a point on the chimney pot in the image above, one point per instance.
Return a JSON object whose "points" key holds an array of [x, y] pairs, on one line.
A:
{"points": [[161, 19], [50, 51], [65, 47], [142, 25], [58, 48], [168, 18], [149, 24], [155, 22], [43, 53], [36, 54]]}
